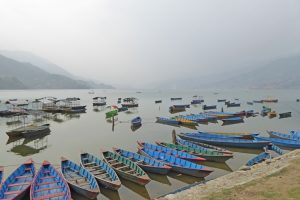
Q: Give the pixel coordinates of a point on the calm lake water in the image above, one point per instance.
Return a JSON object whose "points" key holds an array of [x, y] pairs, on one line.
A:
{"points": [[71, 134]]}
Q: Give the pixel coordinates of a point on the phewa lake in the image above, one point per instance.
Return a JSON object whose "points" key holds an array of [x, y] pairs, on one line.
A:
{"points": [[72, 134]]}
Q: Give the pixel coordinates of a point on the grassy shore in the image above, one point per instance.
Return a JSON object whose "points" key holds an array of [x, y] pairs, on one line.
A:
{"points": [[278, 178], [281, 185]]}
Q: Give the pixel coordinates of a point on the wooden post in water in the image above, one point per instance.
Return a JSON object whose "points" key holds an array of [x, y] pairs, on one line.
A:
{"points": [[113, 123], [174, 136]]}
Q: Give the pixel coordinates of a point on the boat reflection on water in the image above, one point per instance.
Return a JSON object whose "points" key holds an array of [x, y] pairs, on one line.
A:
{"points": [[160, 178], [28, 146], [185, 178], [218, 165], [134, 128], [109, 194], [99, 108], [138, 189]]}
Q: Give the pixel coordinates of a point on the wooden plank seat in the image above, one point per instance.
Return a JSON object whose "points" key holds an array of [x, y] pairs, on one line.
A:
{"points": [[122, 167], [50, 196], [99, 173], [47, 183], [91, 163], [12, 192], [47, 177], [25, 176], [45, 189], [19, 184]]}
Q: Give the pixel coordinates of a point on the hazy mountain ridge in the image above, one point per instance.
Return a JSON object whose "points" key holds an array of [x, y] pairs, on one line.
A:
{"points": [[19, 75], [282, 73]]}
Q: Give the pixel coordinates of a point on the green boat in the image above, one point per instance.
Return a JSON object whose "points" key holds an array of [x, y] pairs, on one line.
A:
{"points": [[126, 168], [208, 155]]}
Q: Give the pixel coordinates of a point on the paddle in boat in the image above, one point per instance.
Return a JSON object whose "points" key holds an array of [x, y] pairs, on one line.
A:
{"points": [[126, 168], [18, 183], [49, 184], [146, 163], [208, 155], [104, 174], [173, 152], [178, 165], [79, 179]]}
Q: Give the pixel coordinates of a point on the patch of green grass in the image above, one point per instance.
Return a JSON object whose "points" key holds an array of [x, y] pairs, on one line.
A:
{"points": [[294, 193], [269, 194]]}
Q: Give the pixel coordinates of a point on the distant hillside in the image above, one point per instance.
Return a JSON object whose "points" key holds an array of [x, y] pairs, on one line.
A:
{"points": [[48, 66], [23, 56], [279, 74], [18, 75]]}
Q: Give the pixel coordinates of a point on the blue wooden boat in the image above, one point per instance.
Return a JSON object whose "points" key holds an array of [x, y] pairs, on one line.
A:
{"points": [[49, 184], [203, 146], [258, 159], [126, 168], [208, 155], [287, 136], [222, 135], [233, 120], [146, 163], [79, 179], [293, 144], [228, 142], [178, 165], [203, 117], [104, 174], [137, 121], [18, 183], [173, 152], [165, 120]]}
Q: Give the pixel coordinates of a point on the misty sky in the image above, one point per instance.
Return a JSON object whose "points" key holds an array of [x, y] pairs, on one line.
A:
{"points": [[140, 42]]}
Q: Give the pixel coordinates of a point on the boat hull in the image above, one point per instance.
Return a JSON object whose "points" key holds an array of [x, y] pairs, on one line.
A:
{"points": [[155, 170], [191, 172], [86, 193]]}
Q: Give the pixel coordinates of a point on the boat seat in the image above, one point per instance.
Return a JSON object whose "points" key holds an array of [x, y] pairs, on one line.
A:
{"points": [[122, 167], [47, 183], [50, 196], [12, 192], [139, 162], [130, 171], [25, 176], [19, 184], [91, 163], [99, 172], [46, 177], [45, 189], [114, 164]]}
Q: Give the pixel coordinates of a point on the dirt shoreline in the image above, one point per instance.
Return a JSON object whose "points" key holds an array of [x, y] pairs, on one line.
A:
{"points": [[236, 178]]}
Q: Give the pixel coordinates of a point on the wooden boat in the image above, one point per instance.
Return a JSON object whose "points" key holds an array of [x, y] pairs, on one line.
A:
{"points": [[272, 114], [292, 144], [174, 109], [126, 168], [298, 100], [206, 107], [270, 100], [178, 154], [227, 142], [176, 98], [158, 101], [198, 145], [130, 102], [233, 120], [99, 101], [233, 105], [250, 103], [221, 100], [104, 174], [220, 115], [196, 101], [200, 118], [285, 115], [79, 179], [270, 151], [224, 135], [1, 175], [258, 159], [288, 136], [18, 183], [29, 131], [137, 121], [187, 122], [258, 101], [208, 155], [165, 120], [178, 165], [146, 163], [49, 184]]}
